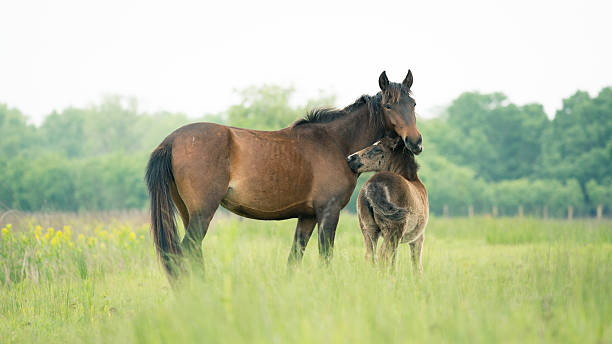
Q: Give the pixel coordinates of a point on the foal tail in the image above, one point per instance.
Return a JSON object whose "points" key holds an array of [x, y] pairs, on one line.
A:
{"points": [[378, 198], [159, 178]]}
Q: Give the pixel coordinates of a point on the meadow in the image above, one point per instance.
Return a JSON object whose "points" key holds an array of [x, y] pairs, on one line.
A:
{"points": [[94, 278]]}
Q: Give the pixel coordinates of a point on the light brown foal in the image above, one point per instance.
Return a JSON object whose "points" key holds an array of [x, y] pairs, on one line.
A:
{"points": [[393, 202]]}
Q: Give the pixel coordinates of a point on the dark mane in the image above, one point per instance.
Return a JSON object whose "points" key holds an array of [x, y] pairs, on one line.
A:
{"points": [[325, 115], [321, 115]]}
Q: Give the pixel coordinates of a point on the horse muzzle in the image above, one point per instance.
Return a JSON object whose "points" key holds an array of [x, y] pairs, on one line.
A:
{"points": [[415, 148]]}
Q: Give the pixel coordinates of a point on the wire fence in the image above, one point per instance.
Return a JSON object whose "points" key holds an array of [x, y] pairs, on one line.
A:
{"points": [[569, 212]]}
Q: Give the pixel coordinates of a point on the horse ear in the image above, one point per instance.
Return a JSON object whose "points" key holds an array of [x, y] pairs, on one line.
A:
{"points": [[408, 80], [383, 82]]}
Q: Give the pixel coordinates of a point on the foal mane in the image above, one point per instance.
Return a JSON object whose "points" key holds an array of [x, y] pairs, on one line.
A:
{"points": [[403, 163]]}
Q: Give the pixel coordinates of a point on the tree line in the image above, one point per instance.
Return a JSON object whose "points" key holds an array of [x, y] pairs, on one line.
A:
{"points": [[483, 154]]}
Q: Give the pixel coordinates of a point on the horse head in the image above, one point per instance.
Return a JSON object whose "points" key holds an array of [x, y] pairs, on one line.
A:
{"points": [[398, 108]]}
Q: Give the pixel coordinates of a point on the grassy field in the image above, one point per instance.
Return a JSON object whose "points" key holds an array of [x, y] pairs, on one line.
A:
{"points": [[96, 279]]}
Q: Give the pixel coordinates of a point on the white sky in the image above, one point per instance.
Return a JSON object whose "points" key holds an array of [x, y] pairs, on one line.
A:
{"points": [[189, 56]]}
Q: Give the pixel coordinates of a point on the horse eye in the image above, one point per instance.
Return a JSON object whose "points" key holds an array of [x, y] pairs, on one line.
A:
{"points": [[387, 106]]}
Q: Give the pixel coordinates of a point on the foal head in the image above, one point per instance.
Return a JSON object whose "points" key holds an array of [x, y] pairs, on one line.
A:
{"points": [[388, 154]]}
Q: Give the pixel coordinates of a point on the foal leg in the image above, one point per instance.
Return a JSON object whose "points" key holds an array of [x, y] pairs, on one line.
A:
{"points": [[370, 238], [304, 229], [416, 250], [389, 249], [369, 229]]}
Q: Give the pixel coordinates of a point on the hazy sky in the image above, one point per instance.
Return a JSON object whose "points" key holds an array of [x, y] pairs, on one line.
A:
{"points": [[190, 56]]}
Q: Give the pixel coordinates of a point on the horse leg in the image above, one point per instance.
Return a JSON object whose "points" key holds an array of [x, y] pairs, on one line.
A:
{"points": [[195, 233], [305, 226], [416, 250], [199, 220], [327, 220], [180, 205]]}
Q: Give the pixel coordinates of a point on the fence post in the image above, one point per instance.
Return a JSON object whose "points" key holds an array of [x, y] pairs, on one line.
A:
{"points": [[445, 211], [520, 211], [570, 212], [599, 211], [471, 211], [494, 211], [545, 212]]}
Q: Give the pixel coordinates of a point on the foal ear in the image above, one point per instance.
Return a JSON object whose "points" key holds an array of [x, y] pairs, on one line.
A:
{"points": [[408, 80], [383, 82]]}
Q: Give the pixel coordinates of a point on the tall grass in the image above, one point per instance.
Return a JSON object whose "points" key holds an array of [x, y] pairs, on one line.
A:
{"points": [[485, 280]]}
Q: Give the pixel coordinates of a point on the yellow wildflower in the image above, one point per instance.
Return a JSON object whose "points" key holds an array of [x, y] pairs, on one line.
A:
{"points": [[54, 241], [5, 231], [59, 234], [102, 246], [9, 226], [67, 233], [37, 231], [51, 230], [132, 236], [81, 237]]}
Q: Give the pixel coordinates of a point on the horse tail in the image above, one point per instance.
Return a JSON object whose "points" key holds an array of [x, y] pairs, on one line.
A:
{"points": [[160, 177], [378, 198]]}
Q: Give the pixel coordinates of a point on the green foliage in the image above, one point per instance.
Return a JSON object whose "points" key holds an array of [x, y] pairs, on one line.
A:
{"points": [[599, 194], [452, 185], [269, 108], [578, 141], [497, 139], [483, 152], [15, 134]]}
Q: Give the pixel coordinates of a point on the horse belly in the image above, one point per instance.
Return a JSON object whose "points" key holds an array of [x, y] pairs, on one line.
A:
{"points": [[269, 179]]}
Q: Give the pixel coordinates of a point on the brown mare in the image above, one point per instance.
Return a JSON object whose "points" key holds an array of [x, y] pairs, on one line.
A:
{"points": [[299, 171], [392, 203]]}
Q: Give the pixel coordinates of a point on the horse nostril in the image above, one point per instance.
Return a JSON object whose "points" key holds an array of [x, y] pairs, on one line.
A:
{"points": [[354, 163]]}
